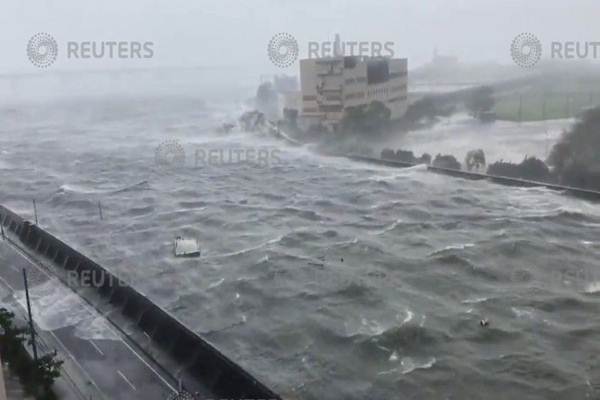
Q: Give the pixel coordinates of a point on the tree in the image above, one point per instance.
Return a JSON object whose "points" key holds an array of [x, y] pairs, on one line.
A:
{"points": [[475, 160], [372, 118], [37, 377], [576, 156], [47, 370], [446, 161], [6, 320], [530, 168]]}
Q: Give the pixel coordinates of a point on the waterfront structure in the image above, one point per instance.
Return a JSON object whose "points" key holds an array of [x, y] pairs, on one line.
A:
{"points": [[331, 85]]}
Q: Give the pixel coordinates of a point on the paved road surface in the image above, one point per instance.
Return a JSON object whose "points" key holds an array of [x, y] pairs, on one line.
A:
{"points": [[116, 369]]}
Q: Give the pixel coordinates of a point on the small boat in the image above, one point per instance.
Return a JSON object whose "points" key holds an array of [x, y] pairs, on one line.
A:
{"points": [[186, 247]]}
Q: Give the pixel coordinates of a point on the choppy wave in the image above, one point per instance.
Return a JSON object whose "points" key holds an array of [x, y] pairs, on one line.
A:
{"points": [[326, 277]]}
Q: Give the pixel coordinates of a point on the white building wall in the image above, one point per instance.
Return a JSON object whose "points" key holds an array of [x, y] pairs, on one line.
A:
{"points": [[328, 88]]}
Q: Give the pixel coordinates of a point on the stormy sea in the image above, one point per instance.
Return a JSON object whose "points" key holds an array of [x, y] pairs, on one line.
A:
{"points": [[324, 277]]}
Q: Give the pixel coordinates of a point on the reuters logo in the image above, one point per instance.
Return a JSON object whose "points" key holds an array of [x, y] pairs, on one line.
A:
{"points": [[42, 50], [526, 50], [170, 154], [283, 50]]}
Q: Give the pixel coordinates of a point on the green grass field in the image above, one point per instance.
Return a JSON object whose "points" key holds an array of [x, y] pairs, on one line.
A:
{"points": [[542, 106]]}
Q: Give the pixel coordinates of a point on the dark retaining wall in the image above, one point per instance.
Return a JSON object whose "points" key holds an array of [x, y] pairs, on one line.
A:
{"points": [[200, 359]]}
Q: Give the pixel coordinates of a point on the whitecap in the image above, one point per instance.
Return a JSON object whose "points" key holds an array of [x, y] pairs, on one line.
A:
{"points": [[461, 246], [390, 227], [409, 365], [409, 316], [367, 328], [593, 287], [520, 312], [345, 242], [475, 300], [249, 249], [216, 284]]}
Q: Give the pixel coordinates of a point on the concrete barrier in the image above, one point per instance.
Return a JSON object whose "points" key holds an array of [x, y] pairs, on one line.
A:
{"points": [[502, 180], [199, 358]]}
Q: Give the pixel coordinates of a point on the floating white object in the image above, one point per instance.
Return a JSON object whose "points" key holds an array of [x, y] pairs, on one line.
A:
{"points": [[187, 247]]}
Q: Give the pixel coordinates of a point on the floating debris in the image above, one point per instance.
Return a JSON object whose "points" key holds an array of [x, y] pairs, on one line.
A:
{"points": [[186, 247]]}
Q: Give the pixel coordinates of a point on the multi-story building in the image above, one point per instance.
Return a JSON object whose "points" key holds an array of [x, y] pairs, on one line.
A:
{"points": [[331, 85]]}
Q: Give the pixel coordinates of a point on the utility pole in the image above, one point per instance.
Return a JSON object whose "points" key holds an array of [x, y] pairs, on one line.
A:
{"points": [[35, 212], [100, 210], [31, 328]]}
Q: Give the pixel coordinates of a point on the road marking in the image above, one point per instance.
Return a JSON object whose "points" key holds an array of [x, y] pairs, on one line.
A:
{"points": [[60, 343], [95, 346], [126, 380]]}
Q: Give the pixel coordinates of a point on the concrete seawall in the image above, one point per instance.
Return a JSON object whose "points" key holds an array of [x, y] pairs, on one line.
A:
{"points": [[199, 358], [502, 180]]}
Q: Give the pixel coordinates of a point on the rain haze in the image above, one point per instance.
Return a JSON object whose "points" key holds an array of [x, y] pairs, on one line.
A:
{"points": [[300, 199]]}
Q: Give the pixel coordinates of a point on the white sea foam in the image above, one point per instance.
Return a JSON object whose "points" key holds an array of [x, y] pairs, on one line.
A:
{"points": [[460, 246], [409, 364], [593, 287], [407, 318], [248, 249], [54, 307], [521, 312], [216, 284], [475, 300], [388, 228]]}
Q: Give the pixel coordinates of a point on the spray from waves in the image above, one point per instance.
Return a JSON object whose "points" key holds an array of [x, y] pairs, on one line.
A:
{"points": [[85, 190], [409, 316], [408, 364], [398, 173], [593, 287], [475, 300], [55, 307], [452, 247], [387, 229], [248, 249], [216, 284], [143, 185]]}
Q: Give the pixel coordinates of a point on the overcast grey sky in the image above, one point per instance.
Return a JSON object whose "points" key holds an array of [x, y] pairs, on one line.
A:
{"points": [[191, 33]]}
